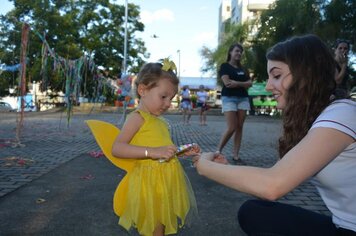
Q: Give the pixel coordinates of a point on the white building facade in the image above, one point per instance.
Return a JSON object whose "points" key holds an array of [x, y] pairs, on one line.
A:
{"points": [[241, 11]]}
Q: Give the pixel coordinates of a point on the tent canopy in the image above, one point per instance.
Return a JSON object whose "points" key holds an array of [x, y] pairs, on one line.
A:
{"points": [[195, 82], [258, 89]]}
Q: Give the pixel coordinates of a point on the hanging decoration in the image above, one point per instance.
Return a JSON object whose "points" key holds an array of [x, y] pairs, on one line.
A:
{"points": [[73, 72], [12, 68], [124, 95]]}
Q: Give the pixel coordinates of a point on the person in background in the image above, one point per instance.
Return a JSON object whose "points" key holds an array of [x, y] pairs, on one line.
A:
{"points": [[235, 100], [186, 104], [155, 196], [342, 48], [202, 97], [318, 142], [250, 98]]}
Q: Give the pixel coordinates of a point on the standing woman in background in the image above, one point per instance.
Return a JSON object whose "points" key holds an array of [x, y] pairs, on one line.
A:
{"points": [[186, 104], [342, 48], [202, 97], [235, 101]]}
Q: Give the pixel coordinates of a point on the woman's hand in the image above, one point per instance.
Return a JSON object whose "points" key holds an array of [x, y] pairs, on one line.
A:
{"points": [[220, 158], [341, 59], [209, 156]]}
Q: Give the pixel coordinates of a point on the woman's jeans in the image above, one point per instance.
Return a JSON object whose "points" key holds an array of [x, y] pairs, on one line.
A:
{"points": [[258, 217]]}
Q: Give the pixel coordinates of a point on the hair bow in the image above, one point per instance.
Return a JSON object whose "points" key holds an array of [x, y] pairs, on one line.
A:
{"points": [[168, 65]]}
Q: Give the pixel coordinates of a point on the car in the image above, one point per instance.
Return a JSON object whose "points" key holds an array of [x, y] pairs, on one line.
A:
{"points": [[6, 107]]}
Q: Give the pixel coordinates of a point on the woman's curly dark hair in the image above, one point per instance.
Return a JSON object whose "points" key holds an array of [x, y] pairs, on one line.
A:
{"points": [[312, 67]]}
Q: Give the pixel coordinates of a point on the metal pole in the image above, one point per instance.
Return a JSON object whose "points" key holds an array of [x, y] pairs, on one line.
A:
{"points": [[178, 51], [125, 41]]}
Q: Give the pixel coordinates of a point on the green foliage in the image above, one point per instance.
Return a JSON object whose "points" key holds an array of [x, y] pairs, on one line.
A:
{"points": [[286, 18], [193, 99], [214, 58], [72, 29]]}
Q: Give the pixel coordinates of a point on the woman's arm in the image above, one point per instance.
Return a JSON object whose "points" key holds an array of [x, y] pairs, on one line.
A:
{"points": [[246, 84], [340, 74], [229, 83], [123, 149], [303, 161]]}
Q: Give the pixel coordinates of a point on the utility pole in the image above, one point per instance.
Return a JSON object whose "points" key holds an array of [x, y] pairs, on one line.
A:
{"points": [[125, 42], [178, 51]]}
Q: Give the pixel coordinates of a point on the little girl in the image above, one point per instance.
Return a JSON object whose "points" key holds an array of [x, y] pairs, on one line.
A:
{"points": [[157, 195]]}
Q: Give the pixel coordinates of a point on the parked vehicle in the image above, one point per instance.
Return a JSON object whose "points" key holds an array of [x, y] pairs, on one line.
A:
{"points": [[6, 107]]}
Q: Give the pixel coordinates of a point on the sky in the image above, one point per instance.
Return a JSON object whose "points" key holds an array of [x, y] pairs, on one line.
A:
{"points": [[181, 28]]}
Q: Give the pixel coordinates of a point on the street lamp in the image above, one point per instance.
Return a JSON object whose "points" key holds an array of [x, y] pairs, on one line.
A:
{"points": [[178, 51]]}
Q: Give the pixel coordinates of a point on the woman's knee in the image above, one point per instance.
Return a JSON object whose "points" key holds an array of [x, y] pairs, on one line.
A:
{"points": [[250, 213], [245, 211]]}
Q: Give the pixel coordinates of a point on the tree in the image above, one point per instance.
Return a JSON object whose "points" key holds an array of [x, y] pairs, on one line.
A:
{"points": [[213, 58], [72, 29], [277, 24], [339, 21], [286, 18]]}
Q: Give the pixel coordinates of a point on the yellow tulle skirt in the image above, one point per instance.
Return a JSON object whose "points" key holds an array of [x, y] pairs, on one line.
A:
{"points": [[158, 193]]}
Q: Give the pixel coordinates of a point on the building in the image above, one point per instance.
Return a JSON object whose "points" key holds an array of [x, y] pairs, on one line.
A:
{"points": [[245, 10], [224, 14], [240, 12]]}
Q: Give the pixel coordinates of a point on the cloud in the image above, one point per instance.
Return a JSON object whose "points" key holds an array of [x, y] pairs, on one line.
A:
{"points": [[205, 38], [203, 8], [148, 17]]}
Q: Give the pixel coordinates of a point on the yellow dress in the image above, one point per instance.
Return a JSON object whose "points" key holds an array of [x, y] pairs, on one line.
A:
{"points": [[152, 192]]}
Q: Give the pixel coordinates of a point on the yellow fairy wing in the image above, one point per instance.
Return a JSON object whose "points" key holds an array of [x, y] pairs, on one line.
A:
{"points": [[105, 135]]}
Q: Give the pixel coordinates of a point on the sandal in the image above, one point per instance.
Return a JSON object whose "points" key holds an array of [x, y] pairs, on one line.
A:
{"points": [[237, 161]]}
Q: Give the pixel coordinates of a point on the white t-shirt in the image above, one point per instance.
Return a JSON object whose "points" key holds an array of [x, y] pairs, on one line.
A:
{"points": [[185, 93], [336, 182], [202, 96]]}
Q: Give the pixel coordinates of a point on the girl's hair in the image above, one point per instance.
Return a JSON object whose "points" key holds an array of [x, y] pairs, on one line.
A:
{"points": [[151, 73], [313, 81], [232, 48]]}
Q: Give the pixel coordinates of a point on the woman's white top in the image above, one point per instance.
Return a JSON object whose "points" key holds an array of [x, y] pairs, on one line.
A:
{"points": [[185, 93], [202, 96], [336, 182]]}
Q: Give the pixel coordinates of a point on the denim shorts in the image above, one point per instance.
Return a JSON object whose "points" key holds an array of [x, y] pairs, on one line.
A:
{"points": [[186, 105], [235, 103]]}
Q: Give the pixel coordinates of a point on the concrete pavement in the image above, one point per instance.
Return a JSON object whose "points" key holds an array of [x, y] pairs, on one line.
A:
{"points": [[53, 186]]}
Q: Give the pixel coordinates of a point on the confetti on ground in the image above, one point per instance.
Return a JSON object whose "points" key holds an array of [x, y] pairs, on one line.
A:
{"points": [[96, 154], [87, 177], [15, 161], [6, 142], [40, 200]]}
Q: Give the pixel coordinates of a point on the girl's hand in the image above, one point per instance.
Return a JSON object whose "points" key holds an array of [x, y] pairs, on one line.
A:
{"points": [[162, 153], [194, 150]]}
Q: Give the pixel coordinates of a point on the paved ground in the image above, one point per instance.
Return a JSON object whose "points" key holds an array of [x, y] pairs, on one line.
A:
{"points": [[53, 186]]}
